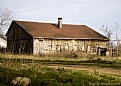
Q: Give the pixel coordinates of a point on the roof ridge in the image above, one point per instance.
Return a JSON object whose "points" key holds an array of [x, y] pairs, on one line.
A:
{"points": [[48, 23], [29, 21]]}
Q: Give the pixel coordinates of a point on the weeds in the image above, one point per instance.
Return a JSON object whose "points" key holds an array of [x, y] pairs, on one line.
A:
{"points": [[62, 54]]}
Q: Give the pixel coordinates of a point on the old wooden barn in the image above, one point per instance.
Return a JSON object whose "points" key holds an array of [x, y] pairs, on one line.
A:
{"points": [[35, 38]]}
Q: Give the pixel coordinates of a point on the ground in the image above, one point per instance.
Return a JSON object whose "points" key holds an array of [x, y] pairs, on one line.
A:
{"points": [[53, 71], [111, 71]]}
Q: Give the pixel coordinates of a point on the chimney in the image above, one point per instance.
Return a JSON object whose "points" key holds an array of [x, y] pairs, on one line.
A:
{"points": [[59, 22]]}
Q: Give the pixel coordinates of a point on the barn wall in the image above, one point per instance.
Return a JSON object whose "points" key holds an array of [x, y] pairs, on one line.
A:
{"points": [[52, 45], [19, 41]]}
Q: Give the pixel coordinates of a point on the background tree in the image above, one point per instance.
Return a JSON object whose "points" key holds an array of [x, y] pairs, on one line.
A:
{"points": [[113, 33], [6, 17], [106, 31]]}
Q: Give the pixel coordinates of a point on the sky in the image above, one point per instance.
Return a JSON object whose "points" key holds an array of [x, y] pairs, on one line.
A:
{"points": [[93, 13]]}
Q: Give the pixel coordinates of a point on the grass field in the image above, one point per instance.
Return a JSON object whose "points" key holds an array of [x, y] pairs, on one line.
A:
{"points": [[35, 68]]}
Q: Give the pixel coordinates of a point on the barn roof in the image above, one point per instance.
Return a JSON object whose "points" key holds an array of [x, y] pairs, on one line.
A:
{"points": [[51, 30]]}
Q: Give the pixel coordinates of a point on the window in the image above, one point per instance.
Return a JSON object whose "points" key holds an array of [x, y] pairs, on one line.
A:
{"points": [[50, 47], [94, 50], [58, 47]]}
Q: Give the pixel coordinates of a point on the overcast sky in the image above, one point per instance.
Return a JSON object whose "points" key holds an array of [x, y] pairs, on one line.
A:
{"points": [[93, 13]]}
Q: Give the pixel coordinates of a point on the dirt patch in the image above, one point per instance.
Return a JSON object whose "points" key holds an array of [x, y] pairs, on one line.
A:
{"points": [[88, 68]]}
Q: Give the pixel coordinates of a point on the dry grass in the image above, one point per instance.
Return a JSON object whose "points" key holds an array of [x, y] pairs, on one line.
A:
{"points": [[60, 56], [45, 57]]}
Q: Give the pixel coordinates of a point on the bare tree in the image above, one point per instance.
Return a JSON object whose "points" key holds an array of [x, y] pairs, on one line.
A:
{"points": [[107, 31], [6, 17], [117, 32], [116, 28], [112, 31]]}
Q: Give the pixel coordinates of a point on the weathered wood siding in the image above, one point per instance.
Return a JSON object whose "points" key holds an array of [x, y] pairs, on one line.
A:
{"points": [[54, 45], [19, 41]]}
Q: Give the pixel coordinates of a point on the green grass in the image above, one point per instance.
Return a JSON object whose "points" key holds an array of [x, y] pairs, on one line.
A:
{"points": [[42, 76]]}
